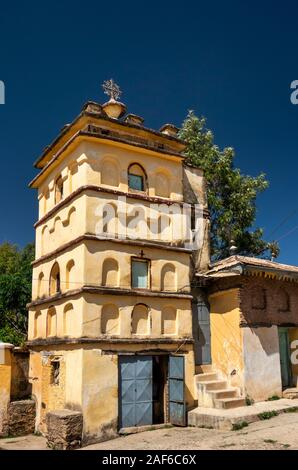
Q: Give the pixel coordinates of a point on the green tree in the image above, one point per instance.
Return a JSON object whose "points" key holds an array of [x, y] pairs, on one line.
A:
{"points": [[15, 291], [231, 195]]}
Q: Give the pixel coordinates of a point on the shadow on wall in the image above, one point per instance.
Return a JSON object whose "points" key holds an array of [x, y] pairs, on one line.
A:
{"points": [[267, 339], [20, 386]]}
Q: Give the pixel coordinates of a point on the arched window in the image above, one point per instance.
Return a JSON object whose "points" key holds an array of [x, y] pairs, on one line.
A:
{"points": [[40, 285], [55, 286], [136, 222], [68, 320], [44, 239], [58, 189], [51, 322], [168, 277], [110, 273], [37, 325], [45, 200], [164, 227], [283, 300], [108, 225], [110, 173], [162, 186], [140, 324], [71, 217], [168, 321], [137, 180], [69, 272], [258, 298], [110, 320]]}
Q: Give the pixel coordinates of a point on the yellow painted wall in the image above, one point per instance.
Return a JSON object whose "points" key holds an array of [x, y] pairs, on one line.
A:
{"points": [[88, 160], [100, 395], [93, 304], [62, 227], [89, 383], [74, 280], [74, 369], [226, 336], [85, 214], [5, 385], [68, 322], [248, 358], [96, 253], [82, 316], [88, 259]]}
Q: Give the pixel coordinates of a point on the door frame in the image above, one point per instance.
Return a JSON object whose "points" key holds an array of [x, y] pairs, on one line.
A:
{"points": [[176, 395], [167, 401], [281, 331]]}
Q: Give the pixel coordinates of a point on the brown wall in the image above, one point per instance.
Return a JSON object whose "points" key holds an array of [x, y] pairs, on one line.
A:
{"points": [[267, 302], [264, 301]]}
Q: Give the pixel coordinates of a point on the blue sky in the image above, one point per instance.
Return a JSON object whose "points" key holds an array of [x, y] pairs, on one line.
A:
{"points": [[230, 61]]}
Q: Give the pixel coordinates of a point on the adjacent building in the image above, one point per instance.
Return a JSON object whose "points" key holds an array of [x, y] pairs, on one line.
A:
{"points": [[252, 332]]}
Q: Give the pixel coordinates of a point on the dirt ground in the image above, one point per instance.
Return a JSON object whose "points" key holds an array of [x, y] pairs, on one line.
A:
{"points": [[280, 432]]}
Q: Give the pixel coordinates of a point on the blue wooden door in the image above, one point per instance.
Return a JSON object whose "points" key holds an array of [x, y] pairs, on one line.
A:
{"points": [[177, 414], [136, 397], [203, 336]]}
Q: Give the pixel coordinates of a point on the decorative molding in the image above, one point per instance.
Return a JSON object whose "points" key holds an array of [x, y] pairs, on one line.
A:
{"points": [[108, 291], [122, 241]]}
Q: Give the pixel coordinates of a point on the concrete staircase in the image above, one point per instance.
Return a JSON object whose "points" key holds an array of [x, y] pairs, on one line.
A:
{"points": [[213, 392]]}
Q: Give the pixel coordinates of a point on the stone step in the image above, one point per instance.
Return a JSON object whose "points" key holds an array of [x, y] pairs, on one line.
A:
{"points": [[228, 403], [212, 385], [206, 377], [290, 393], [204, 368], [225, 393]]}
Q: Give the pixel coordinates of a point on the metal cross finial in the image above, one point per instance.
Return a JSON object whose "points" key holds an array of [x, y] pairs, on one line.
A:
{"points": [[112, 89]]}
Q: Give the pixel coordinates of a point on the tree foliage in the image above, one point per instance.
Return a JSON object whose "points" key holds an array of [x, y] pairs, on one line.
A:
{"points": [[231, 195], [15, 291]]}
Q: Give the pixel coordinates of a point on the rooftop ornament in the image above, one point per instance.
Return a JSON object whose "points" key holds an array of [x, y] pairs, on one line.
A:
{"points": [[233, 248], [113, 108], [112, 89], [169, 129]]}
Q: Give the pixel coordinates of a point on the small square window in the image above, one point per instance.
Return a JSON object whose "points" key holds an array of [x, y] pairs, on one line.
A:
{"points": [[139, 270], [55, 372], [136, 182]]}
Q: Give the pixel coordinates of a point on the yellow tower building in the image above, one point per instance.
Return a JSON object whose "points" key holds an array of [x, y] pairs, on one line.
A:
{"points": [[110, 323]]}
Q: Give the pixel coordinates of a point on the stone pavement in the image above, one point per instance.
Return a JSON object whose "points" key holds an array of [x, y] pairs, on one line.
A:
{"points": [[275, 432], [226, 419]]}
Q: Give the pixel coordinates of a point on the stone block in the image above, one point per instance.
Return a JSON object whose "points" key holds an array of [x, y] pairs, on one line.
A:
{"points": [[64, 429], [21, 417]]}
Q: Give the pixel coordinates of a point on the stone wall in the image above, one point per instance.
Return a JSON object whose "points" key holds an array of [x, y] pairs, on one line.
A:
{"points": [[20, 418], [263, 301], [266, 302], [52, 392], [64, 429], [16, 417]]}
